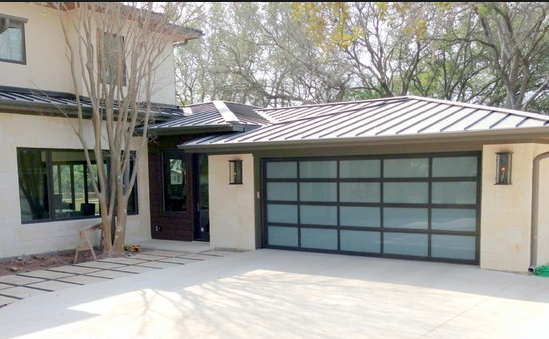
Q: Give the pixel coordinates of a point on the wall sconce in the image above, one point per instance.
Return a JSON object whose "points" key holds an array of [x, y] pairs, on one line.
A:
{"points": [[235, 172], [503, 168]]}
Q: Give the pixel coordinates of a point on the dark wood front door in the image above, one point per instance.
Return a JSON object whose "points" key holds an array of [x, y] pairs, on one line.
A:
{"points": [[202, 209]]}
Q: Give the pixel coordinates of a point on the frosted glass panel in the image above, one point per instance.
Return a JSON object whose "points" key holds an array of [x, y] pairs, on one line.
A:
{"points": [[286, 169], [406, 168], [405, 218], [282, 236], [453, 219], [282, 191], [405, 244], [406, 192], [453, 247], [455, 167], [319, 238], [318, 191], [359, 168], [360, 241], [360, 216], [318, 215], [359, 192], [455, 192], [318, 169], [282, 213]]}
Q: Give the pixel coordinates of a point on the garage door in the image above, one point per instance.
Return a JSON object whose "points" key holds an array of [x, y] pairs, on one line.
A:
{"points": [[423, 206]]}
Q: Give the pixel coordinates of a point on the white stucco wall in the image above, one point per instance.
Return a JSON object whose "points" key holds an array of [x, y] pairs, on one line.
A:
{"points": [[232, 214], [47, 67], [17, 130], [506, 215]]}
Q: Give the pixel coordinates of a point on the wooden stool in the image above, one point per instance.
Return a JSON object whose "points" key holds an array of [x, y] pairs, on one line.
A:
{"points": [[84, 243]]}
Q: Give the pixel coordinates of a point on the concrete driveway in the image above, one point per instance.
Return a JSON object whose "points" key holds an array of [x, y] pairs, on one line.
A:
{"points": [[283, 294]]}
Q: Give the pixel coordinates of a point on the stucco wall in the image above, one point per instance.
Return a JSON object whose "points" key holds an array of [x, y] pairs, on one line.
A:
{"points": [[232, 216], [506, 216], [18, 130], [47, 67]]}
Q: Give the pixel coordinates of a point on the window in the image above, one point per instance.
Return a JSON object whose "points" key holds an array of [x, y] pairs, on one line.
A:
{"points": [[114, 58], [175, 183], [12, 39], [56, 185]]}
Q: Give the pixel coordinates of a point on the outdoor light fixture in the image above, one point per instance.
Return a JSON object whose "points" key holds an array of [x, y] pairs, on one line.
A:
{"points": [[235, 172], [503, 168]]}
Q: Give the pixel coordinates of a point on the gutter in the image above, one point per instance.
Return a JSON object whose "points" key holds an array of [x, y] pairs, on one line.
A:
{"points": [[486, 137], [535, 212]]}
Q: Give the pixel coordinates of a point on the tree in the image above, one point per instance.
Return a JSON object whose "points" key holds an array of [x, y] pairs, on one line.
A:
{"points": [[115, 52], [255, 53], [515, 34]]}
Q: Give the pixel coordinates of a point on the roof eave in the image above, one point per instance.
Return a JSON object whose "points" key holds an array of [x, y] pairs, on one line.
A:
{"points": [[492, 136]]}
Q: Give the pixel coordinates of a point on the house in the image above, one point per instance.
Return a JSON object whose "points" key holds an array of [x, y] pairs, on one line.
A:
{"points": [[46, 194], [405, 177]]}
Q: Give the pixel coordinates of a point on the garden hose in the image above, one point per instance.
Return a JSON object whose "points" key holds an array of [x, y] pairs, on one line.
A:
{"points": [[542, 271]]}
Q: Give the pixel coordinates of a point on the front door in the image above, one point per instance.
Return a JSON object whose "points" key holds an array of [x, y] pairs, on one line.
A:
{"points": [[202, 209]]}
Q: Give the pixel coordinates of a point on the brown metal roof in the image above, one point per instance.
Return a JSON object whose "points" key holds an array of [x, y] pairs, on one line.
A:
{"points": [[215, 115], [389, 118]]}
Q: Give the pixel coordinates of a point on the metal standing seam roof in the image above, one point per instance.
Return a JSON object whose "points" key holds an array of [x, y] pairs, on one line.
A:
{"points": [[212, 114], [23, 100], [395, 117]]}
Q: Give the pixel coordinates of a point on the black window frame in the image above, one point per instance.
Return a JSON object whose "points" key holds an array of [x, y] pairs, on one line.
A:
{"points": [[7, 22], [50, 196]]}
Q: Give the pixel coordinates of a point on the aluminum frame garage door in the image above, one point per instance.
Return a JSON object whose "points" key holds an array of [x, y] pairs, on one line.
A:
{"points": [[421, 206]]}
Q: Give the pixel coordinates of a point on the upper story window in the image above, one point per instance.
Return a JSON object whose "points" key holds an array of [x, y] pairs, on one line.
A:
{"points": [[12, 39], [114, 58]]}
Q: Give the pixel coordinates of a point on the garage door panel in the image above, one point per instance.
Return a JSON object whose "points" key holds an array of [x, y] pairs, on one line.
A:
{"points": [[454, 219], [277, 213], [411, 206], [361, 241], [408, 244], [453, 246], [411, 218], [319, 238], [318, 215], [360, 216]]}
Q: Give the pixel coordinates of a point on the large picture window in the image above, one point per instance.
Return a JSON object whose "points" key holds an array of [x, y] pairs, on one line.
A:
{"points": [[56, 185], [12, 39]]}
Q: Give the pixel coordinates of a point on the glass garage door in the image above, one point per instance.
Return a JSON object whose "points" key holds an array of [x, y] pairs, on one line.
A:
{"points": [[420, 207]]}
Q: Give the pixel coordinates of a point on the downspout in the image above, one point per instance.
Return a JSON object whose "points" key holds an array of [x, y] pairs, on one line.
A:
{"points": [[535, 212]]}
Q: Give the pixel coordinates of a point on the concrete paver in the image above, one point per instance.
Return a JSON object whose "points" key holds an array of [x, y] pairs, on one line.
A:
{"points": [[19, 280], [110, 274], [102, 264], [198, 256], [281, 294], [83, 279], [123, 261], [21, 292], [179, 260], [2, 286], [52, 285], [165, 253], [149, 256], [46, 274], [4, 300], [157, 264], [135, 269], [74, 269]]}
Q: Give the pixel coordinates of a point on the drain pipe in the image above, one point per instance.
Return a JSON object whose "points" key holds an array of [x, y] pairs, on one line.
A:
{"points": [[535, 212]]}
